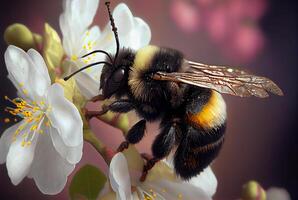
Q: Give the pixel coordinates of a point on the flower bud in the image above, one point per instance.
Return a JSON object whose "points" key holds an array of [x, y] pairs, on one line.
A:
{"points": [[20, 36], [253, 191]]}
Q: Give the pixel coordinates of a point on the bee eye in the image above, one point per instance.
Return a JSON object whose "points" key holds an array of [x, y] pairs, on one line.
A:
{"points": [[118, 75]]}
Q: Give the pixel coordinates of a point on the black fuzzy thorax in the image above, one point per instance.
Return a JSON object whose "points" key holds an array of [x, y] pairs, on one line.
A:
{"points": [[164, 60]]}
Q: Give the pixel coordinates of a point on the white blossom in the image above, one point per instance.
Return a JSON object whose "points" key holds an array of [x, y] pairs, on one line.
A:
{"points": [[47, 143], [161, 186], [79, 38]]}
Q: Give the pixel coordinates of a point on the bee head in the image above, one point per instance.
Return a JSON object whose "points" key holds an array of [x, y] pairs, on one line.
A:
{"points": [[113, 80]]}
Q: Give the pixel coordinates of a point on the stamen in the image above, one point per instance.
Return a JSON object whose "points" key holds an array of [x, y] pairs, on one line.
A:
{"points": [[74, 58], [179, 196], [33, 116]]}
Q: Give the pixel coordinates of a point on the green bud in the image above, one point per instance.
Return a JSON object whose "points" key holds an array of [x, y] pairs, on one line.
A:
{"points": [[253, 191], [20, 36]]}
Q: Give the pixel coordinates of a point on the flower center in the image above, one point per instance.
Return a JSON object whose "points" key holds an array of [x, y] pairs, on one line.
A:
{"points": [[34, 116]]}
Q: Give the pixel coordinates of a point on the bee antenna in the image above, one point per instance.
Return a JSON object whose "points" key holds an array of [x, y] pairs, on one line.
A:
{"points": [[114, 29], [98, 51], [87, 66]]}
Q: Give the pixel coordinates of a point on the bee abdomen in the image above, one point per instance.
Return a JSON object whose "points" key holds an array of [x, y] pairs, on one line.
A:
{"points": [[197, 150], [211, 114], [204, 133]]}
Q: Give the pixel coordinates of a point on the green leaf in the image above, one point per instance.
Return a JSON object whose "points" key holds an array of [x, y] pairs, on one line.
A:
{"points": [[87, 183]]}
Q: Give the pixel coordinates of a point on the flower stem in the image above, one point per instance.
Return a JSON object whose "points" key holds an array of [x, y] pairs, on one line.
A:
{"points": [[91, 138]]}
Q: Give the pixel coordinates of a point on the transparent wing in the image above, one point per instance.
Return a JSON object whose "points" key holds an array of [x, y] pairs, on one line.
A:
{"points": [[223, 79]]}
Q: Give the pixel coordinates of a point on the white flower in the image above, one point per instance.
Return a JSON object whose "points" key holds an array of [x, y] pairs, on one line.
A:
{"points": [[161, 183], [48, 142], [78, 39]]}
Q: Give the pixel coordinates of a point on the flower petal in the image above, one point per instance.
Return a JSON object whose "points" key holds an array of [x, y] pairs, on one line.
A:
{"points": [[133, 32], [40, 65], [49, 170], [119, 177], [72, 154], [29, 76], [19, 159], [206, 180], [139, 36], [123, 18], [6, 140], [165, 189], [75, 19], [64, 116], [88, 86]]}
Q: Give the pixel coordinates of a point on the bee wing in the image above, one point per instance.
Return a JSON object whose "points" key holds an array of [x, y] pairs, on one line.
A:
{"points": [[223, 79]]}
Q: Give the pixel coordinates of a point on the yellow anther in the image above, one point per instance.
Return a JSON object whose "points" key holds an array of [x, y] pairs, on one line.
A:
{"points": [[25, 91], [6, 120], [74, 58], [29, 143], [23, 143], [84, 46], [87, 33], [21, 84], [28, 120], [27, 114], [36, 109], [40, 131], [179, 196], [48, 123], [33, 128]]}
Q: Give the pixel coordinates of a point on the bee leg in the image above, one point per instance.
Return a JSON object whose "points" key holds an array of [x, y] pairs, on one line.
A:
{"points": [[99, 97], [134, 135], [124, 145], [146, 156], [120, 106], [161, 147], [149, 165], [89, 114]]}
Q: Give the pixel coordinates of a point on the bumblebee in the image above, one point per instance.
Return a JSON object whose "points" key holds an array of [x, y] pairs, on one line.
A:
{"points": [[160, 84]]}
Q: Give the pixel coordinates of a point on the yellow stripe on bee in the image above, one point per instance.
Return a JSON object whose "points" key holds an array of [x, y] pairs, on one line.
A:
{"points": [[213, 113], [144, 56], [141, 64]]}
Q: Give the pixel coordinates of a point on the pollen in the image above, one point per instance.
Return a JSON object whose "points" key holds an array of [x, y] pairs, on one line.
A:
{"points": [[180, 196], [27, 113], [23, 144], [48, 123], [33, 117], [33, 128], [74, 58], [25, 91], [6, 120]]}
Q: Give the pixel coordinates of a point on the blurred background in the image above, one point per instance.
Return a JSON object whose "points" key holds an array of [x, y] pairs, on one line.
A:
{"points": [[258, 35]]}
